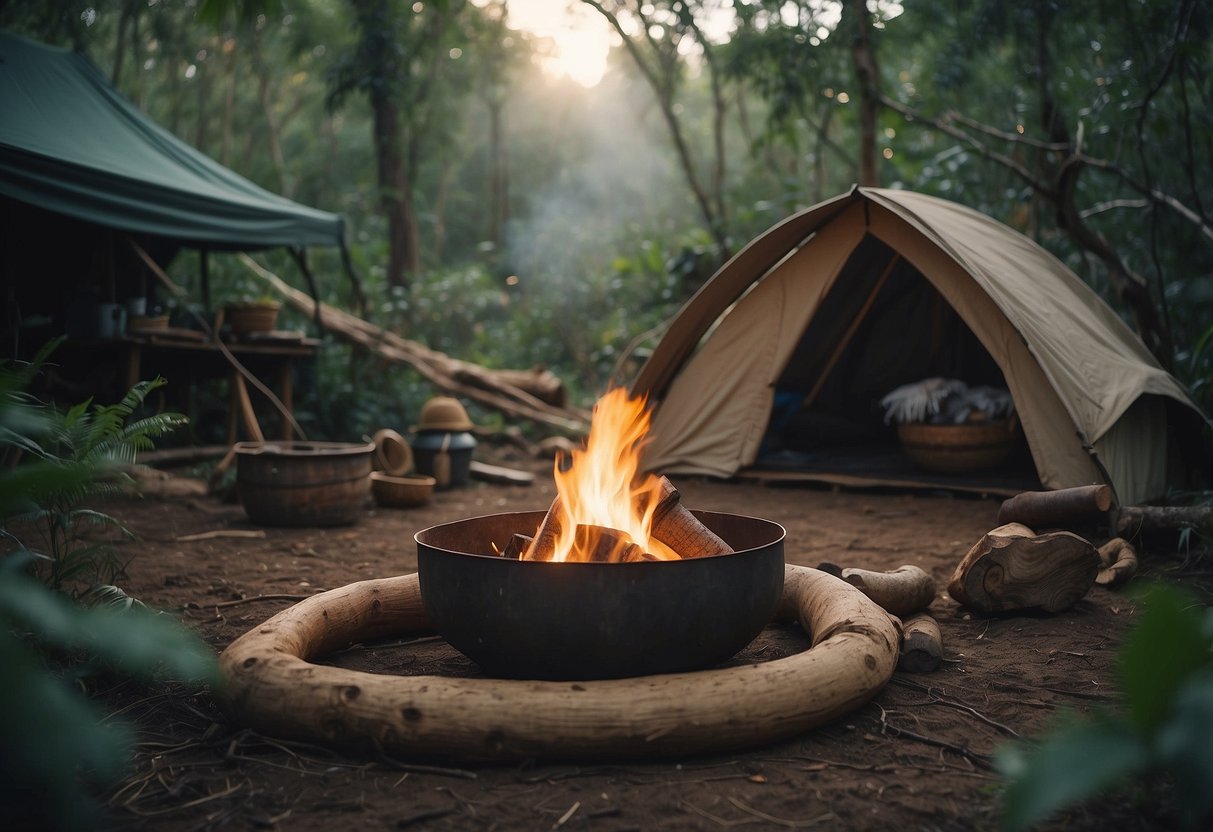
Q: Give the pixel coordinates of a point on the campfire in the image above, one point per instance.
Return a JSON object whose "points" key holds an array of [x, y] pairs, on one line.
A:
{"points": [[617, 578], [591, 596], [606, 510]]}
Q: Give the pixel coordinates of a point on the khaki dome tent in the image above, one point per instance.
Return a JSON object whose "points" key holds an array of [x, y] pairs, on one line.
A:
{"points": [[841, 303]]}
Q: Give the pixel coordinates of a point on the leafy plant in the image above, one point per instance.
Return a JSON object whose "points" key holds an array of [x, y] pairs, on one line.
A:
{"points": [[84, 450], [57, 750], [1165, 725]]}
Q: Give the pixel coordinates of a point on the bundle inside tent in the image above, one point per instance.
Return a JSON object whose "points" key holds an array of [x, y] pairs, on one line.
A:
{"points": [[778, 364]]}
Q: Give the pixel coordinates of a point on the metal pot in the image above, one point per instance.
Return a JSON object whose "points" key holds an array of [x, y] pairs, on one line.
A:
{"points": [[543, 620]]}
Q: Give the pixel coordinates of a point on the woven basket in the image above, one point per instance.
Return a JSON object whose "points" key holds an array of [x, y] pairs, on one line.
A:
{"points": [[245, 318], [959, 449], [408, 490]]}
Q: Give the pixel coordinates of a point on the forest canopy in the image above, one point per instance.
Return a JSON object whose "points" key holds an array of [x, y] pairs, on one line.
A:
{"points": [[509, 215]]}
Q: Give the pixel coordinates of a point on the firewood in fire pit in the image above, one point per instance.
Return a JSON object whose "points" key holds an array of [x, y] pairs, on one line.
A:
{"points": [[543, 546], [605, 545], [517, 545], [676, 527]]}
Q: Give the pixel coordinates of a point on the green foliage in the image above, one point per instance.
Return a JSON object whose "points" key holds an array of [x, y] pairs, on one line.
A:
{"points": [[592, 176], [1165, 726], [79, 454], [58, 751]]}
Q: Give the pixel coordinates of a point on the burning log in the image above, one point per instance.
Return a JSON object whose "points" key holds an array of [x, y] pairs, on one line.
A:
{"points": [[907, 589], [676, 527], [272, 686], [1013, 568], [673, 525], [921, 645], [543, 545], [605, 545], [517, 544]]}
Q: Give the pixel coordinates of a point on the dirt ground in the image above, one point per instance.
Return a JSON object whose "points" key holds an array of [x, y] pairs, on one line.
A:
{"points": [[916, 757]]}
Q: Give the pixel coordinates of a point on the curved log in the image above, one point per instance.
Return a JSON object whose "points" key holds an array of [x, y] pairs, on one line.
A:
{"points": [[272, 686], [1118, 561], [903, 591]]}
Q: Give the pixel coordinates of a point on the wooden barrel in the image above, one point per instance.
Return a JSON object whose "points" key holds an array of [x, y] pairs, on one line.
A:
{"points": [[303, 483], [958, 449]]}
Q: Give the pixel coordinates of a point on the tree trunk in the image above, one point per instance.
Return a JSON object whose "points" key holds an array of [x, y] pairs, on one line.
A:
{"points": [[863, 58], [1064, 173], [393, 188], [498, 193]]}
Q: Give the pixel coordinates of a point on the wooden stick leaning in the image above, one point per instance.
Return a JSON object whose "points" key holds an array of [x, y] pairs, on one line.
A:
{"points": [[272, 687]]}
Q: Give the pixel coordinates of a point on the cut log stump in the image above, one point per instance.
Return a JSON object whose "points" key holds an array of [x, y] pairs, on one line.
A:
{"points": [[921, 646], [1013, 568]]}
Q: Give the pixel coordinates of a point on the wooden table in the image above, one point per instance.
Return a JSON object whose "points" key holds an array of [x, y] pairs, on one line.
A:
{"points": [[185, 359]]}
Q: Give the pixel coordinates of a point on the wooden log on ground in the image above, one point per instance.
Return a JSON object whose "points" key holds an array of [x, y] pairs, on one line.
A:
{"points": [[1119, 562], [1013, 568], [540, 382], [1060, 509], [499, 474], [1134, 520], [271, 686], [921, 645], [905, 590]]}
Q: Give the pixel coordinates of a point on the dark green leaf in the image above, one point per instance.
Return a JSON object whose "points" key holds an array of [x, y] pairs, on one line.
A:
{"points": [[1074, 763], [1166, 645]]}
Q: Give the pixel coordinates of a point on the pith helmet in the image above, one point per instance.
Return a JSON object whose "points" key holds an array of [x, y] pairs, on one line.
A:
{"points": [[444, 413]]}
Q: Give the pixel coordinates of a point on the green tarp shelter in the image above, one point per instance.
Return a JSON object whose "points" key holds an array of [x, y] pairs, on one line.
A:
{"points": [[70, 143]]}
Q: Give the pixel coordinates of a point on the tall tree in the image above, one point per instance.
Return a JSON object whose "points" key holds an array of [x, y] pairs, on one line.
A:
{"points": [[398, 63]]}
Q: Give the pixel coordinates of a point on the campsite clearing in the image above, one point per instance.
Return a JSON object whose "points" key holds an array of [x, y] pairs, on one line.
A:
{"points": [[916, 757]]}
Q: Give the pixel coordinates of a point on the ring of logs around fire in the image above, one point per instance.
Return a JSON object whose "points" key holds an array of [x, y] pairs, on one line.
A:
{"points": [[272, 685]]}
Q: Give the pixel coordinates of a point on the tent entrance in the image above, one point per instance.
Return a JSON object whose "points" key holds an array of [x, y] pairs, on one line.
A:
{"points": [[882, 324]]}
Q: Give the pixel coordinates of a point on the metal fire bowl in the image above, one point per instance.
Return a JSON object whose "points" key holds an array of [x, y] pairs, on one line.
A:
{"points": [[568, 621]]}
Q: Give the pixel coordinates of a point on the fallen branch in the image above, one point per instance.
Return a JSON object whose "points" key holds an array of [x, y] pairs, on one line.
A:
{"points": [[449, 374], [905, 590], [213, 533]]}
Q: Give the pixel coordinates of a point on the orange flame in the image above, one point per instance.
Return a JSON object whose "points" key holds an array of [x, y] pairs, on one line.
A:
{"points": [[602, 485]]}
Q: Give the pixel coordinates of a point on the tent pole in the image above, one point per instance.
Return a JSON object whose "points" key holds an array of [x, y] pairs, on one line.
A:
{"points": [[213, 334], [299, 254], [348, 265], [845, 340], [204, 278]]}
